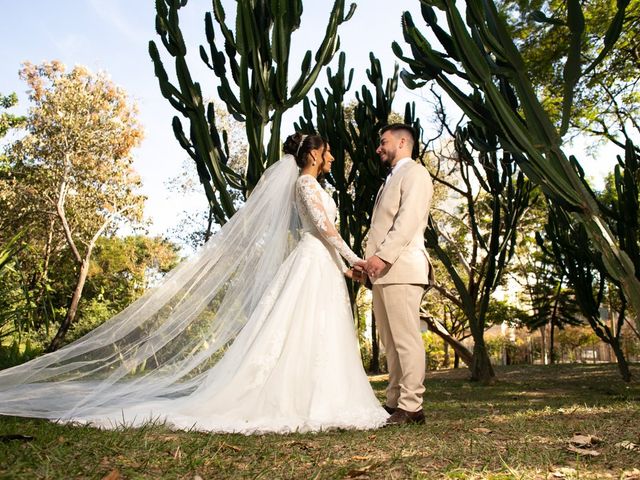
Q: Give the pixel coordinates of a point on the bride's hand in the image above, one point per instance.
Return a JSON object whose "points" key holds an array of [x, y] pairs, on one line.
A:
{"points": [[356, 275]]}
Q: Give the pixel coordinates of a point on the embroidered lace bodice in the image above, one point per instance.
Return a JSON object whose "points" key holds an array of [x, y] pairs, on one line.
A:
{"points": [[318, 215]]}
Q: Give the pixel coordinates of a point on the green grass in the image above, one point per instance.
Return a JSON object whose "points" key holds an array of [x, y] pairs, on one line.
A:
{"points": [[517, 429]]}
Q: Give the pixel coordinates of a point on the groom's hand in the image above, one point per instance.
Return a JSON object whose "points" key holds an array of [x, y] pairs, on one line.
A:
{"points": [[375, 265]]}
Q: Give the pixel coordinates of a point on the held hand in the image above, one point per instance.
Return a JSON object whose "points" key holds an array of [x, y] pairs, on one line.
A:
{"points": [[375, 265], [360, 265], [356, 274]]}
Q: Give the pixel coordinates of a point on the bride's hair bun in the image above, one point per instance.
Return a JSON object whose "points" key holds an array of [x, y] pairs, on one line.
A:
{"points": [[293, 143], [299, 145]]}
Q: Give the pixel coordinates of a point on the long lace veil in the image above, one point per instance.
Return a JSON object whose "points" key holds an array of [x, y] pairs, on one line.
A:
{"points": [[163, 344]]}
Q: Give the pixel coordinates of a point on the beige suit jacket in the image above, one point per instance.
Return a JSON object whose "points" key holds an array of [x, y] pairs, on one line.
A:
{"points": [[397, 226]]}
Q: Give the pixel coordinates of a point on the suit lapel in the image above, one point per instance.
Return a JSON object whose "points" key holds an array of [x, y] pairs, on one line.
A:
{"points": [[386, 184], [375, 205], [398, 173]]}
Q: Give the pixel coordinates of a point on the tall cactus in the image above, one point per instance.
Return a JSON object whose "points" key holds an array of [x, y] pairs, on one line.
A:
{"points": [[502, 100], [357, 172], [353, 140], [625, 205], [256, 59]]}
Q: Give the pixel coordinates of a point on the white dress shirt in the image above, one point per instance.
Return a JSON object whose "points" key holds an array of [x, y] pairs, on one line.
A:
{"points": [[398, 164]]}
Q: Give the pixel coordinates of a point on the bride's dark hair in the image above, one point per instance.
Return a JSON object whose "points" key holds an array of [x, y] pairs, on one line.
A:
{"points": [[299, 145]]}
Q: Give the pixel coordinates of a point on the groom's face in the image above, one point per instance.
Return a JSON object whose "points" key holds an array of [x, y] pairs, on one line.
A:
{"points": [[388, 148]]}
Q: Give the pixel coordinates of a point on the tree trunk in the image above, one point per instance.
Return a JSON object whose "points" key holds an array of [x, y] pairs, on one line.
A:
{"points": [[623, 366], [439, 329], [633, 329], [73, 306], [447, 356], [552, 350], [554, 315], [456, 360], [543, 346], [374, 366], [44, 275], [481, 368]]}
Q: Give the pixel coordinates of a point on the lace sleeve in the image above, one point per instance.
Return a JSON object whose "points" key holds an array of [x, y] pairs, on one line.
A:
{"points": [[310, 195]]}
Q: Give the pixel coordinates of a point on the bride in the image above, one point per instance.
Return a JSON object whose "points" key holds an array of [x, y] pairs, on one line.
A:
{"points": [[253, 334]]}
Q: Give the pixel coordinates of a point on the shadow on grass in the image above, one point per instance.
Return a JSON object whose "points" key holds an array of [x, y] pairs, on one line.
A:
{"points": [[518, 428]]}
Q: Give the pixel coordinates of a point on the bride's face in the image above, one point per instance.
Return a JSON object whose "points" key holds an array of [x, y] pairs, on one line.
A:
{"points": [[327, 160]]}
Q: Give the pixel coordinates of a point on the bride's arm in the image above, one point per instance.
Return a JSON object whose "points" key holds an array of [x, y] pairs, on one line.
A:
{"points": [[309, 193]]}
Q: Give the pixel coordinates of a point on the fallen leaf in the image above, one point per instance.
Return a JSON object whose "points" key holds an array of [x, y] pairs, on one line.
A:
{"points": [[481, 430], [360, 458], [359, 472], [112, 475], [563, 472], [631, 474], [232, 447], [302, 445], [627, 445], [197, 477], [553, 475], [541, 440], [372, 437], [584, 440], [566, 411], [583, 451]]}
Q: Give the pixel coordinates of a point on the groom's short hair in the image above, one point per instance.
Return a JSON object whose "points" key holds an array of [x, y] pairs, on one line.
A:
{"points": [[400, 127]]}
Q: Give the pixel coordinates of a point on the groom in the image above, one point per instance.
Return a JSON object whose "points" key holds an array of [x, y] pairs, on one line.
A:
{"points": [[399, 269]]}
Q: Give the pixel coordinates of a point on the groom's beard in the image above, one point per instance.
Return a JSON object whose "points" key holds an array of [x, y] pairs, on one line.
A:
{"points": [[386, 163], [390, 157]]}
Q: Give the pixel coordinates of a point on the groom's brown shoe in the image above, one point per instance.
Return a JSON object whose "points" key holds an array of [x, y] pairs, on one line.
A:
{"points": [[402, 417], [390, 410]]}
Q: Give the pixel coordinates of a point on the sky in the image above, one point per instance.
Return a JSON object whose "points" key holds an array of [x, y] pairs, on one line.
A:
{"points": [[113, 36]]}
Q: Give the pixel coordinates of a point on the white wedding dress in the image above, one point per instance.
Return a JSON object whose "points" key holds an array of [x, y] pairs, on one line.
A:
{"points": [[293, 367]]}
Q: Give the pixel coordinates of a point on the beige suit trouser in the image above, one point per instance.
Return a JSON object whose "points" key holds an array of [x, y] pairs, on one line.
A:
{"points": [[397, 311]]}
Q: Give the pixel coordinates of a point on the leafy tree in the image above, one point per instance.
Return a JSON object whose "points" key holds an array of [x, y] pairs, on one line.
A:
{"points": [[606, 98], [73, 170], [573, 338], [481, 242], [441, 309], [121, 270], [544, 287], [9, 120], [11, 298]]}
